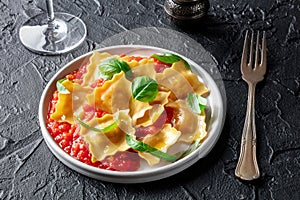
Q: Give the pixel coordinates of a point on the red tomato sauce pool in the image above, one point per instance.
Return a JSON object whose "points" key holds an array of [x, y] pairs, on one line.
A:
{"points": [[67, 136]]}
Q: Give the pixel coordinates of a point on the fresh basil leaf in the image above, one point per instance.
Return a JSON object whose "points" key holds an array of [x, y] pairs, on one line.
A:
{"points": [[196, 103], [111, 66], [61, 88], [143, 147], [144, 88], [104, 130], [107, 71], [167, 58], [170, 58], [187, 65]]}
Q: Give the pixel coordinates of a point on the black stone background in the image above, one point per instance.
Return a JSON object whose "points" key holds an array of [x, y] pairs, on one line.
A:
{"points": [[28, 170]]}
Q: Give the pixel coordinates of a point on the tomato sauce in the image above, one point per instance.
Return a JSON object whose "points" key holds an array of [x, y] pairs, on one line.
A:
{"points": [[163, 119], [67, 136], [160, 66]]}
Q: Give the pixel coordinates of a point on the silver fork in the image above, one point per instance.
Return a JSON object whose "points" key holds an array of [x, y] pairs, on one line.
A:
{"points": [[252, 73]]}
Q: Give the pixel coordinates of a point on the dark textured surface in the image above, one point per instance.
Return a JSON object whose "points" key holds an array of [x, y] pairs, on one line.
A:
{"points": [[30, 171]]}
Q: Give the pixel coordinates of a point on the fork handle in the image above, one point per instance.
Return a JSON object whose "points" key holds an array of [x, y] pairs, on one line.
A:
{"points": [[247, 167]]}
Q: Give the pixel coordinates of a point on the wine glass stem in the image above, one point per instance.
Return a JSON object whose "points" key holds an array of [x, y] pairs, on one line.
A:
{"points": [[50, 11]]}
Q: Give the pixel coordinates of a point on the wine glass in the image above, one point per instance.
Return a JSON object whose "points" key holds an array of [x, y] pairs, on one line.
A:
{"points": [[52, 33]]}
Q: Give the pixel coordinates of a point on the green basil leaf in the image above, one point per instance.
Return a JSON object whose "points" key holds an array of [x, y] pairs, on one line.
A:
{"points": [[104, 130], [143, 147], [111, 66], [144, 88], [196, 103], [170, 58], [61, 88]]}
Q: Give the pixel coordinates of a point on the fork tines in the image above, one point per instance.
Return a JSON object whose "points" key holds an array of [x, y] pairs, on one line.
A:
{"points": [[248, 64], [246, 47]]}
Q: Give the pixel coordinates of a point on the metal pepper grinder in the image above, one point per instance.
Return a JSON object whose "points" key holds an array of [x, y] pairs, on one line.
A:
{"points": [[187, 9]]}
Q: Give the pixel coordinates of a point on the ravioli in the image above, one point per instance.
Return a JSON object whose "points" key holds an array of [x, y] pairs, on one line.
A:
{"points": [[71, 103], [163, 122], [144, 69], [161, 98], [92, 72], [151, 115], [175, 82], [113, 95], [198, 87], [104, 144], [162, 141], [190, 124], [138, 109]]}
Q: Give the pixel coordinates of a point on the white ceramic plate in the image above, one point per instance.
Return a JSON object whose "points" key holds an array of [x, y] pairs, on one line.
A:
{"points": [[214, 126]]}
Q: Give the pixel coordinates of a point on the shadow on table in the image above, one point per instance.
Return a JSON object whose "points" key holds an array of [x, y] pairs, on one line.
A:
{"points": [[211, 30]]}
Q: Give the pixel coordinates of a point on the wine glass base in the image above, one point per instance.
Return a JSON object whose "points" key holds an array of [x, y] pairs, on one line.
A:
{"points": [[62, 35]]}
